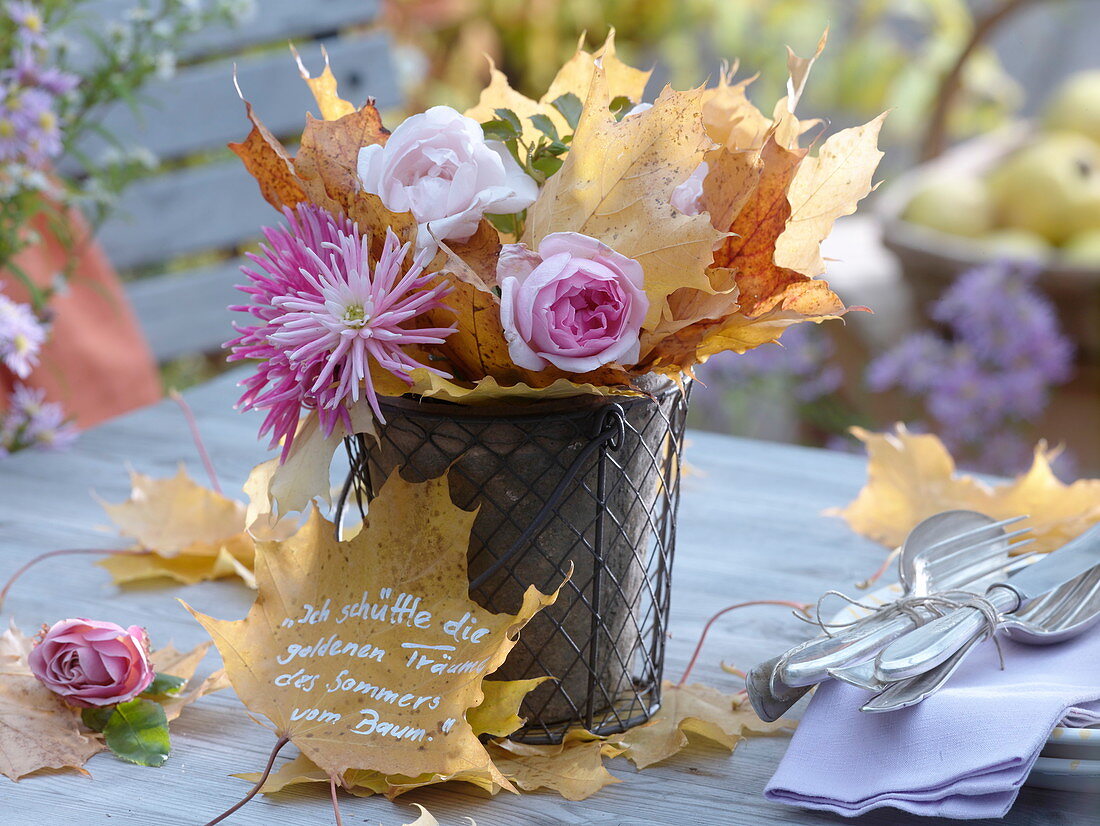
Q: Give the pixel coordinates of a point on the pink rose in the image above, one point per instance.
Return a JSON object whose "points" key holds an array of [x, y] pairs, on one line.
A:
{"points": [[576, 303], [688, 196], [93, 663], [438, 166]]}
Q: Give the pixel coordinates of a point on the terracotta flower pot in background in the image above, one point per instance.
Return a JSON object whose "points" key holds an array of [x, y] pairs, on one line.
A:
{"points": [[96, 363]]}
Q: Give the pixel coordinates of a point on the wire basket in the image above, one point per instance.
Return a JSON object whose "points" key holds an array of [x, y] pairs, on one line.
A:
{"points": [[592, 481]]}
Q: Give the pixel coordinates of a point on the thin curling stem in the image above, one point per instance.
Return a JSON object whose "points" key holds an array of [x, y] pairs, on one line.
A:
{"points": [[282, 741], [798, 606]]}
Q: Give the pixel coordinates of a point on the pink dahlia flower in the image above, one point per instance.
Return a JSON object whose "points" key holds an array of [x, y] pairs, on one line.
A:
{"points": [[325, 311]]}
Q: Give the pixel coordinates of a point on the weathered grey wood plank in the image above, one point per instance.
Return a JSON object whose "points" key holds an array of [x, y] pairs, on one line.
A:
{"points": [[216, 206], [198, 109], [185, 312], [272, 21], [750, 527]]}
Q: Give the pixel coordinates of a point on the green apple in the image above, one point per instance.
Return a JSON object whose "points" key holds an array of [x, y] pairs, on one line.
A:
{"points": [[957, 204], [1015, 245], [1075, 107], [1050, 187], [1083, 249]]}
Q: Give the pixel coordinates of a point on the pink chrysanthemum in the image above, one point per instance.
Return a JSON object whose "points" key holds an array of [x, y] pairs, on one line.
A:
{"points": [[325, 311]]}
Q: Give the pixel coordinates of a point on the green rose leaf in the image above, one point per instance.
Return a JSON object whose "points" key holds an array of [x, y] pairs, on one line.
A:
{"points": [[138, 732], [546, 126], [164, 685], [499, 130], [511, 118], [570, 107], [96, 718]]}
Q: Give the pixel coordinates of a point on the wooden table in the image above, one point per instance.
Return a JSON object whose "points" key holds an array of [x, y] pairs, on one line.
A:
{"points": [[750, 528]]}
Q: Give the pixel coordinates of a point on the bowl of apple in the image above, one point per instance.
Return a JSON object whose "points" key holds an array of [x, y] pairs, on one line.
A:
{"points": [[1028, 193]]}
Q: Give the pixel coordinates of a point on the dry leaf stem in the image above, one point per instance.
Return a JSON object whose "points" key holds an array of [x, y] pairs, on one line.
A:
{"points": [[798, 606], [200, 446], [282, 741], [63, 552]]}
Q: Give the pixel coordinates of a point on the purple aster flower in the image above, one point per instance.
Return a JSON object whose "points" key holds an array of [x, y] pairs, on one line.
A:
{"points": [[34, 422], [21, 337], [29, 73], [29, 22], [992, 374], [327, 313]]}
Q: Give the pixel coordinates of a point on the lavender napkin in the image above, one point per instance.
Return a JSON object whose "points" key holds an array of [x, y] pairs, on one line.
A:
{"points": [[962, 753]]}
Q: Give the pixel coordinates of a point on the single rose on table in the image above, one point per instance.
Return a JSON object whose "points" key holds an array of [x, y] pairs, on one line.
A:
{"points": [[93, 664], [107, 671]]}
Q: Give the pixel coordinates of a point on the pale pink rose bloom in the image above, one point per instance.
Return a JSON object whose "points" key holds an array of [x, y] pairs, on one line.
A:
{"points": [[688, 196], [438, 166], [91, 663], [576, 303]]}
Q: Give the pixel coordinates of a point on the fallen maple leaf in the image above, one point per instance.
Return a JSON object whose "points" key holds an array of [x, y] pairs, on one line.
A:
{"points": [[912, 476], [418, 660], [191, 533], [573, 768], [427, 819], [616, 186], [37, 729], [692, 709]]}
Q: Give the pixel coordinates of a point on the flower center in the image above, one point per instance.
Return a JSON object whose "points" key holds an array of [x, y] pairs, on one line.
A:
{"points": [[7, 129], [356, 315]]}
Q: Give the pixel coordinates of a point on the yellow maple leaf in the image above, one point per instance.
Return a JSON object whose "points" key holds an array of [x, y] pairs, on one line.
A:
{"points": [[573, 78], [191, 533], [692, 709], [411, 647], [616, 185], [912, 476], [573, 768], [37, 729], [323, 87], [825, 187], [498, 713]]}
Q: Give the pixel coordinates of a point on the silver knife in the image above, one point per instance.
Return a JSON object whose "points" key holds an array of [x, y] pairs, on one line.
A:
{"points": [[931, 644]]}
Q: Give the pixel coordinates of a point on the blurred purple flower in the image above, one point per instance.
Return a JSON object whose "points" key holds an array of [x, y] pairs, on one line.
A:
{"points": [[992, 374], [800, 361], [32, 422], [29, 22], [26, 71], [21, 337]]}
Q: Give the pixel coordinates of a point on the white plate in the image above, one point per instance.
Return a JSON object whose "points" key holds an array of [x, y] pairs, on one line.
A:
{"points": [[1071, 758], [1065, 775]]}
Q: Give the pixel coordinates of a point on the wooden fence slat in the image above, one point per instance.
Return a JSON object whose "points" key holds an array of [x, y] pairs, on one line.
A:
{"points": [[184, 313], [273, 21], [192, 210], [199, 110]]}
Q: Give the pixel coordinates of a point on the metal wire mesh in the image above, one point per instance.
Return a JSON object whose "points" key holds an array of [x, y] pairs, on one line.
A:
{"points": [[591, 481]]}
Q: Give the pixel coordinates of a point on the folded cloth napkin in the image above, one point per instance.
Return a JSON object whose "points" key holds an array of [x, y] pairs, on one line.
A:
{"points": [[963, 753]]}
